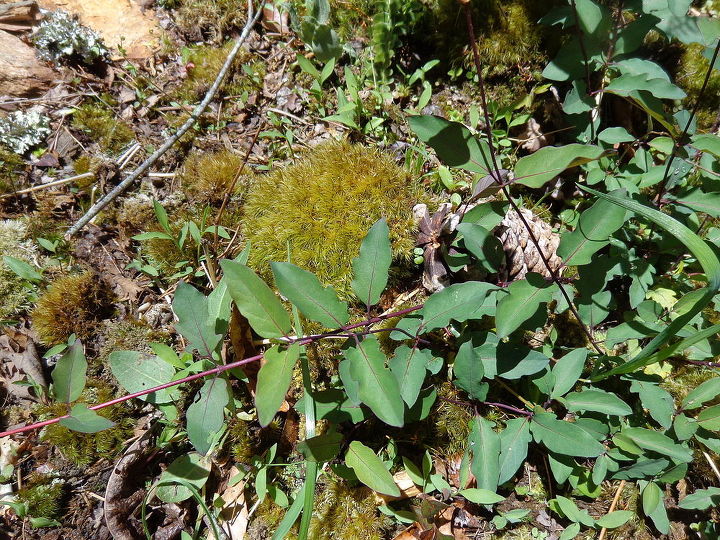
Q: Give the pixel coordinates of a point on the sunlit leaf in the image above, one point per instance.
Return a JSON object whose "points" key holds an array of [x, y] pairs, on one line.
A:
{"points": [[206, 414], [85, 420], [547, 163], [371, 267], [273, 381], [69, 373], [370, 470]]}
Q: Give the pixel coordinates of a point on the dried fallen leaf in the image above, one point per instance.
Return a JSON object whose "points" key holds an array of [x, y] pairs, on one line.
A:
{"points": [[407, 489], [234, 513]]}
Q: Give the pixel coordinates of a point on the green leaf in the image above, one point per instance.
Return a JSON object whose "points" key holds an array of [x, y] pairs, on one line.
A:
{"points": [[322, 447], [69, 374], [377, 386], [273, 381], [514, 440], [615, 519], [660, 518], [567, 371], [524, 299], [659, 403], [481, 496], [459, 302], [468, 370], [658, 442], [85, 420], [539, 168], [593, 19], [454, 144], [22, 269], [371, 267], [626, 84], [702, 499], [651, 497], [572, 512], [334, 405], [191, 307], [370, 470], [570, 532], [564, 437], [256, 301], [700, 201], [137, 372], [205, 416], [596, 401], [593, 231], [485, 447], [614, 135], [704, 392], [483, 245], [710, 418], [305, 291], [408, 365], [191, 468], [515, 361]]}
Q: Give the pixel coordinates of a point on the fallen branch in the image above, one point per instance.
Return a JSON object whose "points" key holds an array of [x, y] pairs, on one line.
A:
{"points": [[194, 116]]}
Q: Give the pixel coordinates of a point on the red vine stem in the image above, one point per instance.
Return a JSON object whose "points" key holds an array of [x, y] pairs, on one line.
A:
{"points": [[217, 370]]}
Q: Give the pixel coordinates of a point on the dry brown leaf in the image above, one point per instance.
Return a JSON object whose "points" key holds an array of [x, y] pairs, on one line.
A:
{"points": [[534, 137], [19, 359], [234, 513], [407, 487]]}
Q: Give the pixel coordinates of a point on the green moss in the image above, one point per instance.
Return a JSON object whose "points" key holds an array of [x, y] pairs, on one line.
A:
{"points": [[199, 19], [12, 171], [85, 448], [71, 305], [207, 177], [690, 77], [686, 378], [323, 205], [126, 335], [43, 496], [101, 126], [16, 292], [451, 422]]}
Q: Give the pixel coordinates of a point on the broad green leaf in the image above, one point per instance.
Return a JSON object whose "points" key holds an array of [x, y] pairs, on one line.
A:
{"points": [[255, 301], [370, 470], [192, 468], [684, 427], [707, 143], [593, 231], [322, 447], [334, 405], [600, 469], [524, 299], [700, 201], [651, 496], [660, 518], [710, 418], [698, 248], [567, 371], [702, 499], [570, 532], [85, 420], [659, 443], [468, 370], [572, 512], [483, 245], [614, 135], [659, 403], [515, 361], [485, 447], [370, 268], [408, 365], [377, 386], [205, 416], [454, 144], [615, 519], [273, 381], [137, 372], [564, 437], [481, 496], [305, 291], [514, 440], [21, 268], [593, 19], [596, 401], [69, 374], [706, 391], [459, 302], [195, 324], [542, 166], [219, 304], [659, 88]]}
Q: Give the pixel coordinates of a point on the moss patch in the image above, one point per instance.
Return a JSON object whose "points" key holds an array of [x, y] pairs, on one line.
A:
{"points": [[101, 125], [206, 178]]}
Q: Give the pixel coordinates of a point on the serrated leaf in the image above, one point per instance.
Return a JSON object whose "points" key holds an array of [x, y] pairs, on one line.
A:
{"points": [[137, 372], [370, 470], [596, 401], [377, 386], [205, 416], [514, 440], [273, 381], [567, 371], [564, 437], [408, 365], [195, 324], [69, 373], [658, 442], [468, 370], [305, 291], [710, 418], [702, 499], [454, 144], [322, 447], [615, 519], [542, 166], [459, 302], [484, 245], [593, 231], [484, 445], [255, 301], [370, 268], [704, 392], [191, 468], [481, 496], [525, 297], [85, 420]]}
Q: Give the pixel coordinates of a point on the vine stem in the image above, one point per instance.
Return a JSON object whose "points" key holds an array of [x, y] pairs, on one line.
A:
{"points": [[504, 187], [218, 369]]}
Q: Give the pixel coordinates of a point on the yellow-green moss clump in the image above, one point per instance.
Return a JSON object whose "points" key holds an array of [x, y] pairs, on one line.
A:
{"points": [[71, 305], [15, 291], [207, 177], [323, 206], [43, 496], [101, 126], [693, 67], [199, 19], [11, 171], [127, 335]]}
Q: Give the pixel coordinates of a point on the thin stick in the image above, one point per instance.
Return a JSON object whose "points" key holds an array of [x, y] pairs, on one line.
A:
{"points": [[615, 500], [122, 186]]}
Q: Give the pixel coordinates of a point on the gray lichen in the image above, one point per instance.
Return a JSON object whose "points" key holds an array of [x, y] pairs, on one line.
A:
{"points": [[61, 38], [20, 131]]}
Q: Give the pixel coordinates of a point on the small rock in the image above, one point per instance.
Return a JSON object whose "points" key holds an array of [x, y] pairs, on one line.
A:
{"points": [[21, 73]]}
